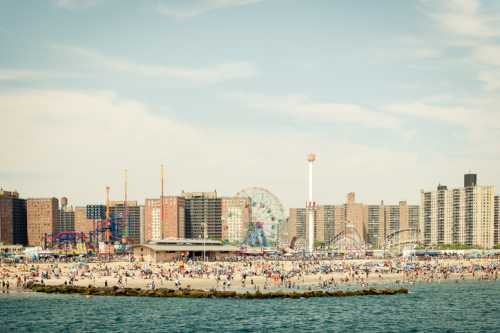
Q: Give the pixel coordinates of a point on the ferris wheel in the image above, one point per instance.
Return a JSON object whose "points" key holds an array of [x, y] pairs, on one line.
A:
{"points": [[268, 217]]}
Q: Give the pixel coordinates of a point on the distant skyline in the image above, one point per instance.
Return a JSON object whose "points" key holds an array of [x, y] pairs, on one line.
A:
{"points": [[393, 97]]}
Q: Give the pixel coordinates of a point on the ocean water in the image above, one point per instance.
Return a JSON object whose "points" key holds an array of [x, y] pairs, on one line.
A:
{"points": [[444, 307]]}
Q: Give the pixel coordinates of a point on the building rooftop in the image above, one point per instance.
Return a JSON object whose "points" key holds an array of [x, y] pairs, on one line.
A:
{"points": [[183, 248], [205, 195], [130, 203], [10, 194], [185, 241]]}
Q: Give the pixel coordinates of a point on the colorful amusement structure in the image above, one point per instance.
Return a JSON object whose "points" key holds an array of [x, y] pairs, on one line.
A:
{"points": [[268, 217]]}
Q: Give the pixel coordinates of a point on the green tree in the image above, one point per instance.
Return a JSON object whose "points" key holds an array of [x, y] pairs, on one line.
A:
{"points": [[318, 244]]}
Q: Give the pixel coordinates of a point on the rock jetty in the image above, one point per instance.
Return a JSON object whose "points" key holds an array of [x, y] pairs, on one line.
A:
{"points": [[194, 293]]}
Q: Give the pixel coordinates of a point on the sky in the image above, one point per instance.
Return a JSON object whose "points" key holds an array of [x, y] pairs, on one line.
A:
{"points": [[393, 97]]}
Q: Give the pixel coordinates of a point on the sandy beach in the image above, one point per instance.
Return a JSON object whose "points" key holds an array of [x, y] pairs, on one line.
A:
{"points": [[249, 275]]}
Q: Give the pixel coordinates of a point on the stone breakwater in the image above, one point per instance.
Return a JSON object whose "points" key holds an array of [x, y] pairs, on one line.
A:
{"points": [[190, 293]]}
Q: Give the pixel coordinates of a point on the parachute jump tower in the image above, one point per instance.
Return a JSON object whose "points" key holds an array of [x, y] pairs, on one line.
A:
{"points": [[108, 220], [310, 206]]}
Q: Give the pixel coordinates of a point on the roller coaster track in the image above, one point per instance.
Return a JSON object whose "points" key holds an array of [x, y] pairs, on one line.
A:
{"points": [[342, 236], [389, 239]]}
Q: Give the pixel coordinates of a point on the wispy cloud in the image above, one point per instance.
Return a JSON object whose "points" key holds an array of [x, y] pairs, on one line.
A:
{"points": [[208, 74], [491, 80], [468, 25], [481, 123], [463, 17], [18, 75], [75, 4], [36, 120], [302, 107], [477, 121], [455, 115], [192, 8], [409, 48], [488, 54], [7, 74]]}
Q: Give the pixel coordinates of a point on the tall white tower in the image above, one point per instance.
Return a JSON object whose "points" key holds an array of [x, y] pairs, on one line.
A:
{"points": [[310, 205]]}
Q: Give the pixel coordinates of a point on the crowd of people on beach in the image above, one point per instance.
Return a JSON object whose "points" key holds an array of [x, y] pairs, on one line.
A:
{"points": [[247, 273]]}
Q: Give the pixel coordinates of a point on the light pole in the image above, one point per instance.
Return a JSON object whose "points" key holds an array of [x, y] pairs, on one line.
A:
{"points": [[204, 226]]}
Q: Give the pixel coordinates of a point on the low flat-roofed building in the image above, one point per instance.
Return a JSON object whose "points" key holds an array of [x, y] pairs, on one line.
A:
{"points": [[8, 249], [168, 250]]}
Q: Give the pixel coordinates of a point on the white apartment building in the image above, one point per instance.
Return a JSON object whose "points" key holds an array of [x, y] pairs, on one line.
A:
{"points": [[458, 216], [235, 216]]}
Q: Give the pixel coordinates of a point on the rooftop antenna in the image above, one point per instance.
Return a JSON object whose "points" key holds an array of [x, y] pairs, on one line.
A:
{"points": [[125, 203], [162, 227]]}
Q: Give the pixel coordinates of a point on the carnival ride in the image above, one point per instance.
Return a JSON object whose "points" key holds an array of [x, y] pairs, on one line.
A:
{"points": [[347, 240], [106, 228], [297, 244], [68, 242], [109, 230], [76, 242], [403, 239], [267, 217]]}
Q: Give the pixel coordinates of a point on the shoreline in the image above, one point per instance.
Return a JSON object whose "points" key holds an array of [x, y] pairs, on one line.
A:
{"points": [[198, 293], [242, 277], [388, 287]]}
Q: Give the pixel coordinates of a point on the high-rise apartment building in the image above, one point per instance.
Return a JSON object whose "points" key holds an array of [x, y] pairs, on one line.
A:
{"points": [[152, 220], [348, 218], [470, 180], [324, 223], [65, 217], [96, 212], [42, 216], [496, 234], [351, 218], [203, 210], [65, 220], [375, 223], [128, 219], [414, 217], [235, 216], [459, 216], [82, 223], [297, 223], [399, 222], [142, 234], [358, 223], [13, 229], [173, 218]]}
